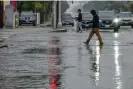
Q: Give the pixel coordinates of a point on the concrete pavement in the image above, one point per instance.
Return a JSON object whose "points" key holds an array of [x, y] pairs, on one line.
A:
{"points": [[42, 60]]}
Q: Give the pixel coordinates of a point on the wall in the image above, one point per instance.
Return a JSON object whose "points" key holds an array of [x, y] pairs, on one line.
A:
{"points": [[1, 14]]}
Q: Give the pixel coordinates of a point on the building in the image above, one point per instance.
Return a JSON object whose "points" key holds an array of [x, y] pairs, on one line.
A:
{"points": [[2, 10], [1, 14]]}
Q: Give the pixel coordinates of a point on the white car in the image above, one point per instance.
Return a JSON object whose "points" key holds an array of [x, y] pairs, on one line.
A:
{"points": [[126, 19], [108, 20]]}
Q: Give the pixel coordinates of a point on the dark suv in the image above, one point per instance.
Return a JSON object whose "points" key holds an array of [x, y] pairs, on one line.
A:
{"points": [[67, 19], [126, 19], [27, 17], [108, 20]]}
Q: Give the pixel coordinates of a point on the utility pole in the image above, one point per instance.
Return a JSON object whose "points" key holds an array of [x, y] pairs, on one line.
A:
{"points": [[59, 15], [54, 14], [93, 3]]}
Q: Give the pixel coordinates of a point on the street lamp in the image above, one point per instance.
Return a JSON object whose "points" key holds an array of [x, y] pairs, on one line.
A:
{"points": [[93, 5]]}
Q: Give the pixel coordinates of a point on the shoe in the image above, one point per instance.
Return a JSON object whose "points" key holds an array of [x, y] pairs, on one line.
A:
{"points": [[86, 43], [101, 43]]}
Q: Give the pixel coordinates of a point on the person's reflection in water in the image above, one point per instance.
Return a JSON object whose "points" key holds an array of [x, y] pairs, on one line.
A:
{"points": [[118, 67], [55, 64], [95, 58], [55, 40], [55, 82]]}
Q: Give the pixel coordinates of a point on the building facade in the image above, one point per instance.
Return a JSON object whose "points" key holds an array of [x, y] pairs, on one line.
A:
{"points": [[2, 10], [1, 14]]}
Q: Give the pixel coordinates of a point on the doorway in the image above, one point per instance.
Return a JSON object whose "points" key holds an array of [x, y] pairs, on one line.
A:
{"points": [[1, 14]]}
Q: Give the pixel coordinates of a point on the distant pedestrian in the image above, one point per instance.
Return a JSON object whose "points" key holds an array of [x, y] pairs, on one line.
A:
{"points": [[79, 21], [95, 28]]}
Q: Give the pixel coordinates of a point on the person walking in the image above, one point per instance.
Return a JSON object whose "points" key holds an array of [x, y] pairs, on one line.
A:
{"points": [[95, 28], [79, 21]]}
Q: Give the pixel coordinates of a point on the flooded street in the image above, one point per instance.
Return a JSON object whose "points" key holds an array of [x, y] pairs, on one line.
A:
{"points": [[41, 60]]}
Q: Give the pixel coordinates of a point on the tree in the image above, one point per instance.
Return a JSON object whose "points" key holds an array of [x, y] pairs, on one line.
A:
{"points": [[33, 5]]}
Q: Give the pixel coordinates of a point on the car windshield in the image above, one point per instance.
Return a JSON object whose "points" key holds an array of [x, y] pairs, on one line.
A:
{"points": [[125, 15], [66, 17], [106, 14], [27, 13]]}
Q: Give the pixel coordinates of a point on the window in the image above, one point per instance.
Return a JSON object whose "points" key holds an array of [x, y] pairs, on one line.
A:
{"points": [[125, 15]]}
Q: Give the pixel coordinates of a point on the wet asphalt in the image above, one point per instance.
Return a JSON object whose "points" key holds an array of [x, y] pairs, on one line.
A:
{"points": [[37, 59]]}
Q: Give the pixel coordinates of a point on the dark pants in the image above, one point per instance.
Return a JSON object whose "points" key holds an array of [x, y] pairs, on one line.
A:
{"points": [[79, 26]]}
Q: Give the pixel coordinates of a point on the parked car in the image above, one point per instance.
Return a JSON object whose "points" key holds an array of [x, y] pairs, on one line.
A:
{"points": [[108, 20], [27, 17], [67, 19], [126, 18], [86, 18]]}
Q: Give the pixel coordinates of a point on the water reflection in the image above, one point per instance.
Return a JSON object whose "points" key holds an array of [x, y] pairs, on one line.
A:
{"points": [[117, 66], [95, 57], [79, 59], [55, 40], [98, 52], [116, 35], [54, 64]]}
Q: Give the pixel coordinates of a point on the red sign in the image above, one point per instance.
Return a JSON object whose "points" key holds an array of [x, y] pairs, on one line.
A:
{"points": [[14, 3]]}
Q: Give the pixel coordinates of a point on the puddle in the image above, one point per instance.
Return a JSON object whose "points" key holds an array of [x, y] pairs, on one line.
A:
{"points": [[3, 46], [94, 54], [35, 50]]}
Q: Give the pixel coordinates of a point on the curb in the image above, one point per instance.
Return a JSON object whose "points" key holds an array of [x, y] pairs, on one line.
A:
{"points": [[48, 25], [59, 30], [42, 25]]}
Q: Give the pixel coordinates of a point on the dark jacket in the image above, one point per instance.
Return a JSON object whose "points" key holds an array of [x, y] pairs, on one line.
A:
{"points": [[95, 21], [79, 19]]}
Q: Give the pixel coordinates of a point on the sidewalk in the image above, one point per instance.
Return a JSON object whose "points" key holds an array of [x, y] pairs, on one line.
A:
{"points": [[46, 24]]}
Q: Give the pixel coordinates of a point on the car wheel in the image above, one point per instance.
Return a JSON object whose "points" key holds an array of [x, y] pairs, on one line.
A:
{"points": [[72, 24], [132, 26], [20, 24], [116, 29], [34, 24]]}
